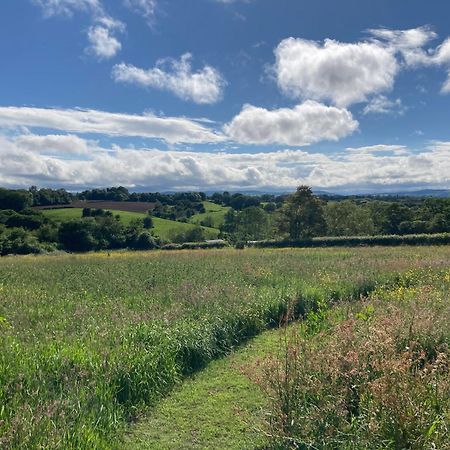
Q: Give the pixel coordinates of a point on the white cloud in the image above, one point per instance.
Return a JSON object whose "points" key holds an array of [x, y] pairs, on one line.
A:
{"points": [[380, 167], [102, 43], [379, 148], [348, 73], [68, 7], [442, 57], [64, 144], [409, 43], [170, 129], [145, 8], [340, 72], [204, 86], [383, 105], [304, 124]]}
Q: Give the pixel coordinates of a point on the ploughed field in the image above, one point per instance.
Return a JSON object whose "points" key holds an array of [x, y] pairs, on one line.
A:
{"points": [[90, 341]]}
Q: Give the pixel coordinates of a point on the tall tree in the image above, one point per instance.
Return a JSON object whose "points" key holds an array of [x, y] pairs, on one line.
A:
{"points": [[346, 218], [302, 215]]}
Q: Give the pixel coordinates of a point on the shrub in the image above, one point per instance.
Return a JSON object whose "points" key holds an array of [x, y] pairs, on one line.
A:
{"points": [[356, 241]]}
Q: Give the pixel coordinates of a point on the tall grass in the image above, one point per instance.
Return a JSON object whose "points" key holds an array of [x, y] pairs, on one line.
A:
{"points": [[88, 342], [375, 375]]}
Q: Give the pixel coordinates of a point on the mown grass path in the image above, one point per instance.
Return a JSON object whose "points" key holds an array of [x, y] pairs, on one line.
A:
{"points": [[218, 408]]}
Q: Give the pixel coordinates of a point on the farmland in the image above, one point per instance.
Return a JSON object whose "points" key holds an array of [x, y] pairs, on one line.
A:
{"points": [[213, 211], [163, 228], [90, 342], [136, 207]]}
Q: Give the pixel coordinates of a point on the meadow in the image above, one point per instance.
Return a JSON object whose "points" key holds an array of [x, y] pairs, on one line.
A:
{"points": [[162, 228], [213, 212], [90, 342]]}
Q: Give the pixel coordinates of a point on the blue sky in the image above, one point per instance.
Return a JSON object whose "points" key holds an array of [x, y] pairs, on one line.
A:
{"points": [[348, 96]]}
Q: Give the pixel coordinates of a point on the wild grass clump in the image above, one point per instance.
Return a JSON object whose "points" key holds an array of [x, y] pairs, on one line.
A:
{"points": [[375, 376]]}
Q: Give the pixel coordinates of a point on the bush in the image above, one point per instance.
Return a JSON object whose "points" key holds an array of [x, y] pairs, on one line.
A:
{"points": [[148, 222], [356, 241], [144, 241], [195, 245], [78, 235], [18, 241]]}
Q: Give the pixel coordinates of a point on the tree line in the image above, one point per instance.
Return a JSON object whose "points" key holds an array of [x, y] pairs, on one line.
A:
{"points": [[300, 215]]}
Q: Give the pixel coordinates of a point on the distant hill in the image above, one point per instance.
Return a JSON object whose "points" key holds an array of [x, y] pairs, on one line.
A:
{"points": [[441, 193]]}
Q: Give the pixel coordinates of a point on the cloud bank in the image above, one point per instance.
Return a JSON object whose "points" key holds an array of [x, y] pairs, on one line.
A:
{"points": [[51, 161]]}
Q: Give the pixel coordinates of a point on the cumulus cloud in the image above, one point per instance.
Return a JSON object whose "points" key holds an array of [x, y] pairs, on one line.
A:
{"points": [[339, 72], [383, 105], [102, 42], [170, 129], [204, 86], [372, 168], [304, 124], [347, 73]]}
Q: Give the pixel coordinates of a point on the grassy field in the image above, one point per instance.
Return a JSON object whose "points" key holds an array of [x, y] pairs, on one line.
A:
{"points": [[370, 374], [91, 341], [214, 211], [163, 228]]}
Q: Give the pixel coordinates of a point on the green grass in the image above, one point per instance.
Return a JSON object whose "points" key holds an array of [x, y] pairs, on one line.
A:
{"points": [[239, 401], [63, 214], [91, 341], [218, 408], [166, 229], [213, 210], [163, 228]]}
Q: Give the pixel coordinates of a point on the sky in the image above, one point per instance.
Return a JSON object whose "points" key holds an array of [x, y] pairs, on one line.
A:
{"points": [[242, 95]]}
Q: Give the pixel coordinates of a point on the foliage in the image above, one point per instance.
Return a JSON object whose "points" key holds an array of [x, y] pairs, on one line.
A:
{"points": [[302, 215], [252, 223], [17, 200], [195, 234], [357, 241], [346, 218], [18, 241], [47, 197]]}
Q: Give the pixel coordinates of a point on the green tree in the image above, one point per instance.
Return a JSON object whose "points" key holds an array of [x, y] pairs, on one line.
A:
{"points": [[302, 215], [252, 224], [78, 235], [148, 222], [346, 218], [16, 200]]}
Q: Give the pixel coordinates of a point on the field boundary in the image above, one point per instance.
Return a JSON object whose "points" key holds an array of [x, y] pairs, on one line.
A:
{"points": [[357, 241]]}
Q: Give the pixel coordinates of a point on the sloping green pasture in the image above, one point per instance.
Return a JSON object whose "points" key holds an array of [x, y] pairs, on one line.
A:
{"points": [[214, 211], [163, 228]]}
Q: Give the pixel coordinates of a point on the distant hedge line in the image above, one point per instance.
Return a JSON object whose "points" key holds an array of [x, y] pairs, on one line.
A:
{"points": [[195, 245], [356, 241]]}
